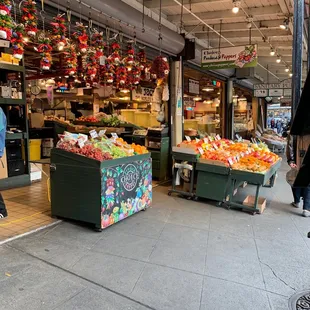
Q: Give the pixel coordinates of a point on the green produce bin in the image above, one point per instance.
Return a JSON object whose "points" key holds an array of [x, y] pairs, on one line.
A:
{"points": [[213, 182], [100, 193]]}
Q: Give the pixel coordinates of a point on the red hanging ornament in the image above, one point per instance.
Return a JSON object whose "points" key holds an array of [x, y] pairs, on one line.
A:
{"points": [[97, 43], [130, 58], [91, 64], [17, 41], [30, 17], [115, 57], [59, 32], [45, 50], [6, 22], [70, 59], [160, 67], [142, 59], [81, 37], [121, 76], [109, 72]]}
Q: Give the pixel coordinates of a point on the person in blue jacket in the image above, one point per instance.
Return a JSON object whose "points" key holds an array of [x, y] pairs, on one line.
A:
{"points": [[3, 211]]}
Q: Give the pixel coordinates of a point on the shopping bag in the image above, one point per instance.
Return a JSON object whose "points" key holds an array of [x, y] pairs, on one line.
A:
{"points": [[291, 176]]}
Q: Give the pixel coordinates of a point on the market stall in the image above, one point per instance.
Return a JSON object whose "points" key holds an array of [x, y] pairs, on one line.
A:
{"points": [[222, 166], [99, 181]]}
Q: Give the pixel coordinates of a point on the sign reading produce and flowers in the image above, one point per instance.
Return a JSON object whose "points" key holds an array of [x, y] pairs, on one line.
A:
{"points": [[229, 57]]}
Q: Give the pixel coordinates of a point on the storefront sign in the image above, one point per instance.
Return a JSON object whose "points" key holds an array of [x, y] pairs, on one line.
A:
{"points": [[229, 57], [260, 93], [216, 83], [276, 92], [287, 93], [145, 94], [193, 86], [287, 84]]}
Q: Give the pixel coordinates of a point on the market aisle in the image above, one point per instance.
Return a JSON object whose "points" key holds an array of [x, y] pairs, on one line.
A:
{"points": [[179, 254]]}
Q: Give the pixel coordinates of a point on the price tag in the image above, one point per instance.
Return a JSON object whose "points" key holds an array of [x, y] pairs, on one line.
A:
{"points": [[197, 140], [211, 138], [200, 150], [188, 138], [114, 135], [218, 137], [230, 161], [93, 133], [242, 154], [102, 133], [206, 140], [81, 142], [215, 146]]}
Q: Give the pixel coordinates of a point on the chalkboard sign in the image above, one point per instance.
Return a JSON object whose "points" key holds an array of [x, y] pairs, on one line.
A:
{"points": [[126, 189]]}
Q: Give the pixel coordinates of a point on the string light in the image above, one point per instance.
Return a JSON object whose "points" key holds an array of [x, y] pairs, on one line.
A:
{"points": [[278, 59], [236, 6], [272, 51], [287, 69]]}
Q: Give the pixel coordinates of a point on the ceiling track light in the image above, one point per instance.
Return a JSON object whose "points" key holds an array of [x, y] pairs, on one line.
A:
{"points": [[284, 25], [272, 51], [236, 6], [278, 59]]}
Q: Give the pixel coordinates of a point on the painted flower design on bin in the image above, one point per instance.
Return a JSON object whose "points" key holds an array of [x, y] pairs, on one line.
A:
{"points": [[130, 199]]}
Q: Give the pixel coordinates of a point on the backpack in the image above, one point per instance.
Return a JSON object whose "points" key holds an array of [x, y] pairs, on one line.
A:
{"points": [[2, 131]]}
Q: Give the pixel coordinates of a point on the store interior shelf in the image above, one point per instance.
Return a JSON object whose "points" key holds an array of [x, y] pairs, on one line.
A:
{"points": [[9, 67], [12, 101]]}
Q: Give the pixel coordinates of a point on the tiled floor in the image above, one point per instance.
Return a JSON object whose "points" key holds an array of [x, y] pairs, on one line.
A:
{"points": [[28, 209]]}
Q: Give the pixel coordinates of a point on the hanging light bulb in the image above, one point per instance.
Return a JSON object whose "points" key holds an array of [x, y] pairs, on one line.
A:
{"points": [[236, 6], [272, 51], [278, 59], [287, 69], [284, 25], [291, 74]]}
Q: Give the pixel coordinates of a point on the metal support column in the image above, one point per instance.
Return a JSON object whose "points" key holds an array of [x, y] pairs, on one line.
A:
{"points": [[229, 111], [308, 50], [297, 53]]}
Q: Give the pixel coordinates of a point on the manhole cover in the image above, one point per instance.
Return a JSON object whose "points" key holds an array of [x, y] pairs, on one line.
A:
{"points": [[300, 301], [303, 302]]}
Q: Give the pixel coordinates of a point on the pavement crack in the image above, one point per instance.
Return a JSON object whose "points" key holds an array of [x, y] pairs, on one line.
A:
{"points": [[294, 289]]}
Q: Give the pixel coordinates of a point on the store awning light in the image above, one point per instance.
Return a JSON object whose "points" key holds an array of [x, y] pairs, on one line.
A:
{"points": [[272, 51], [284, 25], [125, 91], [197, 98], [236, 6], [208, 89], [242, 99]]}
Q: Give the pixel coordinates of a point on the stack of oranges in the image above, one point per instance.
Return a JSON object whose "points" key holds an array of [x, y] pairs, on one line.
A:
{"points": [[139, 149]]}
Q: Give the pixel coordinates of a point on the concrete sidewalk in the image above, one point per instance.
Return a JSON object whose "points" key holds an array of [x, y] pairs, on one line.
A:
{"points": [[179, 254]]}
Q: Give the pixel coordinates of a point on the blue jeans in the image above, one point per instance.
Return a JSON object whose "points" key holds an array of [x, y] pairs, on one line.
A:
{"points": [[302, 193]]}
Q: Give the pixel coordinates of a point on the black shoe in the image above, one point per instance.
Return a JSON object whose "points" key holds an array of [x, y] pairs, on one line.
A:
{"points": [[2, 216]]}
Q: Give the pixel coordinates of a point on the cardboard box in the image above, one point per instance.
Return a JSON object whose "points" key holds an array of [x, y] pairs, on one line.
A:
{"points": [[3, 166], [261, 205]]}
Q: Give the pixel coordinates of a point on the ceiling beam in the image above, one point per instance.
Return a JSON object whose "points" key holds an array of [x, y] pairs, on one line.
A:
{"points": [[245, 34], [228, 14], [155, 4], [262, 25]]}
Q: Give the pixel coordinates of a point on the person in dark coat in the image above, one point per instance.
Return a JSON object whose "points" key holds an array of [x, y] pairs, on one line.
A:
{"points": [[298, 192]]}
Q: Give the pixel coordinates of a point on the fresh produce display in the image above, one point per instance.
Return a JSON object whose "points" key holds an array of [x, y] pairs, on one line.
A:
{"points": [[100, 148], [255, 157], [105, 120]]}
